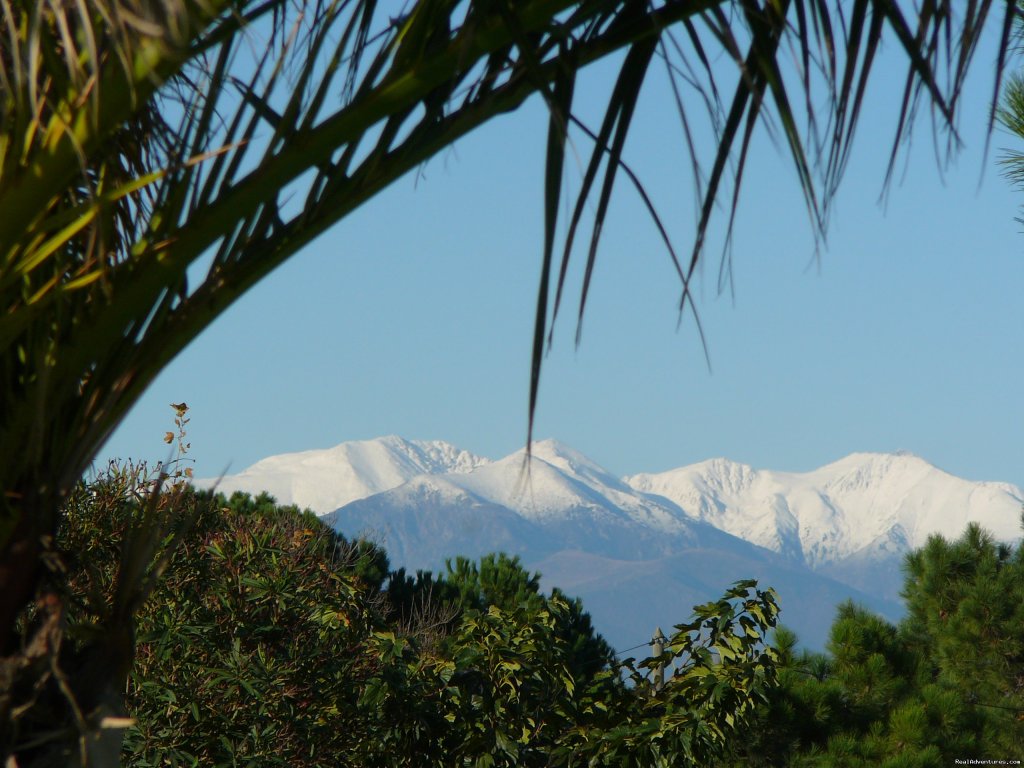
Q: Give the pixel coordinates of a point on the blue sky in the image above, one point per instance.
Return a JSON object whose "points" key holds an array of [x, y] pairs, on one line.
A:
{"points": [[414, 316]]}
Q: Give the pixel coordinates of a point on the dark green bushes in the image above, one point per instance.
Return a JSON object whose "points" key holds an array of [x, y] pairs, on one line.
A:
{"points": [[271, 640]]}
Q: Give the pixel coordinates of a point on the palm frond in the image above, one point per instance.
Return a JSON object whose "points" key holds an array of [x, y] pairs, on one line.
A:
{"points": [[1010, 114]]}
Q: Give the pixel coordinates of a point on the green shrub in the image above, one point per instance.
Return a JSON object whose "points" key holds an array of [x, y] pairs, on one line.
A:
{"points": [[270, 641]]}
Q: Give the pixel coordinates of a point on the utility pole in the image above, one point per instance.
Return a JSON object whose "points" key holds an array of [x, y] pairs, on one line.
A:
{"points": [[658, 648]]}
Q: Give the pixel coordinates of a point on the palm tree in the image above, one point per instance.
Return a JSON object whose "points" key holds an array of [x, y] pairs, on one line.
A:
{"points": [[159, 157], [1011, 115]]}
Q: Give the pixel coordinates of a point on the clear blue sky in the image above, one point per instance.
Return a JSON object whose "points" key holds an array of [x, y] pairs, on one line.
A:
{"points": [[414, 317]]}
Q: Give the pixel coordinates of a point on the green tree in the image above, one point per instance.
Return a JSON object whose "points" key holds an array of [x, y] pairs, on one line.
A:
{"points": [[965, 600], [64, 700], [947, 683], [501, 691], [255, 646], [497, 581]]}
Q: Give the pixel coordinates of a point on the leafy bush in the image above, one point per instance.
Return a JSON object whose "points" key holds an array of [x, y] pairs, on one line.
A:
{"points": [[254, 645], [270, 641]]}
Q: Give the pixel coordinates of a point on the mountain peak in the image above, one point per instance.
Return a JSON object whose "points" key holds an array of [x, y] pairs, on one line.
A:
{"points": [[568, 459], [325, 479], [861, 503], [900, 459]]}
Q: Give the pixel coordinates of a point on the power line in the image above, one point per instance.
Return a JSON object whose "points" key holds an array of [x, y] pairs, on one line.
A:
{"points": [[627, 650]]}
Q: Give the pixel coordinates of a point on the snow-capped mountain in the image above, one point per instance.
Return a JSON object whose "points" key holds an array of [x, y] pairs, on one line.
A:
{"points": [[642, 550], [853, 519], [323, 480], [558, 500]]}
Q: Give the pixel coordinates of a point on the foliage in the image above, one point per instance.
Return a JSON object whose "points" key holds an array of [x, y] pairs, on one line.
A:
{"points": [[498, 581], [256, 642], [946, 684], [967, 600], [722, 671], [269, 641], [61, 694]]}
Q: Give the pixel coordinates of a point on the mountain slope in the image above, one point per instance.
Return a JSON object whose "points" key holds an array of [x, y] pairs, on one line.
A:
{"points": [[864, 504], [561, 500], [627, 599], [323, 480]]}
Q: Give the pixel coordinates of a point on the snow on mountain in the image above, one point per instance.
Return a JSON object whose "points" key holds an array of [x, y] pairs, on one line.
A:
{"points": [[561, 484], [323, 480], [558, 500], [867, 507], [431, 518]]}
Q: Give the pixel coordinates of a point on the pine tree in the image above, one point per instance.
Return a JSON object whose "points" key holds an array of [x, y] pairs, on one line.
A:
{"points": [[965, 602]]}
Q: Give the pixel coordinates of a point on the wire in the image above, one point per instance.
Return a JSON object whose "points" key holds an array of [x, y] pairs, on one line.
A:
{"points": [[627, 650]]}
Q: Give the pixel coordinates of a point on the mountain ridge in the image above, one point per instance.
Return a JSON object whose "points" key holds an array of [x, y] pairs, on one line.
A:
{"points": [[837, 532], [325, 479], [840, 509]]}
